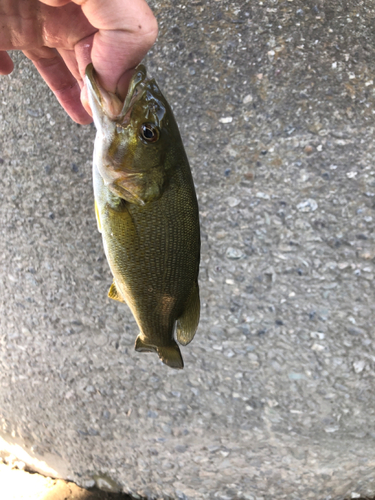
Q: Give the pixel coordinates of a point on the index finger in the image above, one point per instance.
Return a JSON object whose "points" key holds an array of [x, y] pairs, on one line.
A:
{"points": [[63, 84]]}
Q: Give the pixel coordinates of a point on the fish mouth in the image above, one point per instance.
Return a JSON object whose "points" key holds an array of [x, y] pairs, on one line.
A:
{"points": [[108, 103]]}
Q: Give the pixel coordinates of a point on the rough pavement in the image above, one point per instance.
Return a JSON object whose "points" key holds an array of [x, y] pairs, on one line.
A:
{"points": [[275, 101], [18, 484]]}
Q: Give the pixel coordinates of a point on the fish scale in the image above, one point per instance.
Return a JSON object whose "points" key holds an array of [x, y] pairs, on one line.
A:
{"points": [[147, 213]]}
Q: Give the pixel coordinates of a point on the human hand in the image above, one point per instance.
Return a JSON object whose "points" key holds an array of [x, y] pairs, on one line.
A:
{"points": [[62, 37]]}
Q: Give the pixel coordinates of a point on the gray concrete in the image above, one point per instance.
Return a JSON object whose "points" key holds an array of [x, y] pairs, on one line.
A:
{"points": [[275, 101]]}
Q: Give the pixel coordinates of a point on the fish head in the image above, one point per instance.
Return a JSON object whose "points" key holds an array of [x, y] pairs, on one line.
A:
{"points": [[134, 137]]}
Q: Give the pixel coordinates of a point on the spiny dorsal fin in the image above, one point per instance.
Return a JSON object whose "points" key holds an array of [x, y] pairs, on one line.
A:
{"points": [[187, 323], [113, 293]]}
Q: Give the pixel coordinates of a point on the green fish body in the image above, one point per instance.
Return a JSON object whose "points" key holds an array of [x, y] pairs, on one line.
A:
{"points": [[147, 212]]}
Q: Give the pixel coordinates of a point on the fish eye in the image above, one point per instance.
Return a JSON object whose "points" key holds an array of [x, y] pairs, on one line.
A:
{"points": [[149, 132]]}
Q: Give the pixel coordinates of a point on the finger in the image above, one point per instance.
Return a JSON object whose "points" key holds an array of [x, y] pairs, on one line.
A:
{"points": [[127, 30], [70, 60], [41, 52], [126, 52], [55, 3], [85, 99], [26, 24], [63, 27], [63, 84], [82, 51], [6, 63]]}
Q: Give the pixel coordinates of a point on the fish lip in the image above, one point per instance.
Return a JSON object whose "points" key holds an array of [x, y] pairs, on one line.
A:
{"points": [[137, 85], [92, 83], [108, 101]]}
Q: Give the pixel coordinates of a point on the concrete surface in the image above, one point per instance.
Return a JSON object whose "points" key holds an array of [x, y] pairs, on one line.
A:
{"points": [[275, 101], [18, 484]]}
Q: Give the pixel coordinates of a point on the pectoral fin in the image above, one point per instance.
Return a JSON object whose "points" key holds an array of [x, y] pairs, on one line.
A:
{"points": [[187, 323], [97, 217], [113, 293]]}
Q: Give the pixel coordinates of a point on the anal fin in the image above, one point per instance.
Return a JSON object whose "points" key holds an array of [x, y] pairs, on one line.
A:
{"points": [[187, 323], [113, 293], [170, 355]]}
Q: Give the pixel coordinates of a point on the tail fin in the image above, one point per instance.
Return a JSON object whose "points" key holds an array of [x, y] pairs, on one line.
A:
{"points": [[170, 355], [187, 323]]}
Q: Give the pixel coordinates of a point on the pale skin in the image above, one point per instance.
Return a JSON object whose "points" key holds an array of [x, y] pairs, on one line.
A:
{"points": [[62, 37]]}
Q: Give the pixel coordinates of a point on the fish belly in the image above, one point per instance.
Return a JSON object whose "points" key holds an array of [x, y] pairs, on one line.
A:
{"points": [[153, 253]]}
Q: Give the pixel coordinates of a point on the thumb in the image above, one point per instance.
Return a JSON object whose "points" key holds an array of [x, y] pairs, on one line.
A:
{"points": [[127, 29]]}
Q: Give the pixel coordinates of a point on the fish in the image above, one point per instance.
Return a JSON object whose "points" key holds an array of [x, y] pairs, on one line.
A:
{"points": [[147, 212]]}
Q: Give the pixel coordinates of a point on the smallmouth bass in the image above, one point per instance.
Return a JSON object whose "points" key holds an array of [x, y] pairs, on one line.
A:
{"points": [[147, 212]]}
